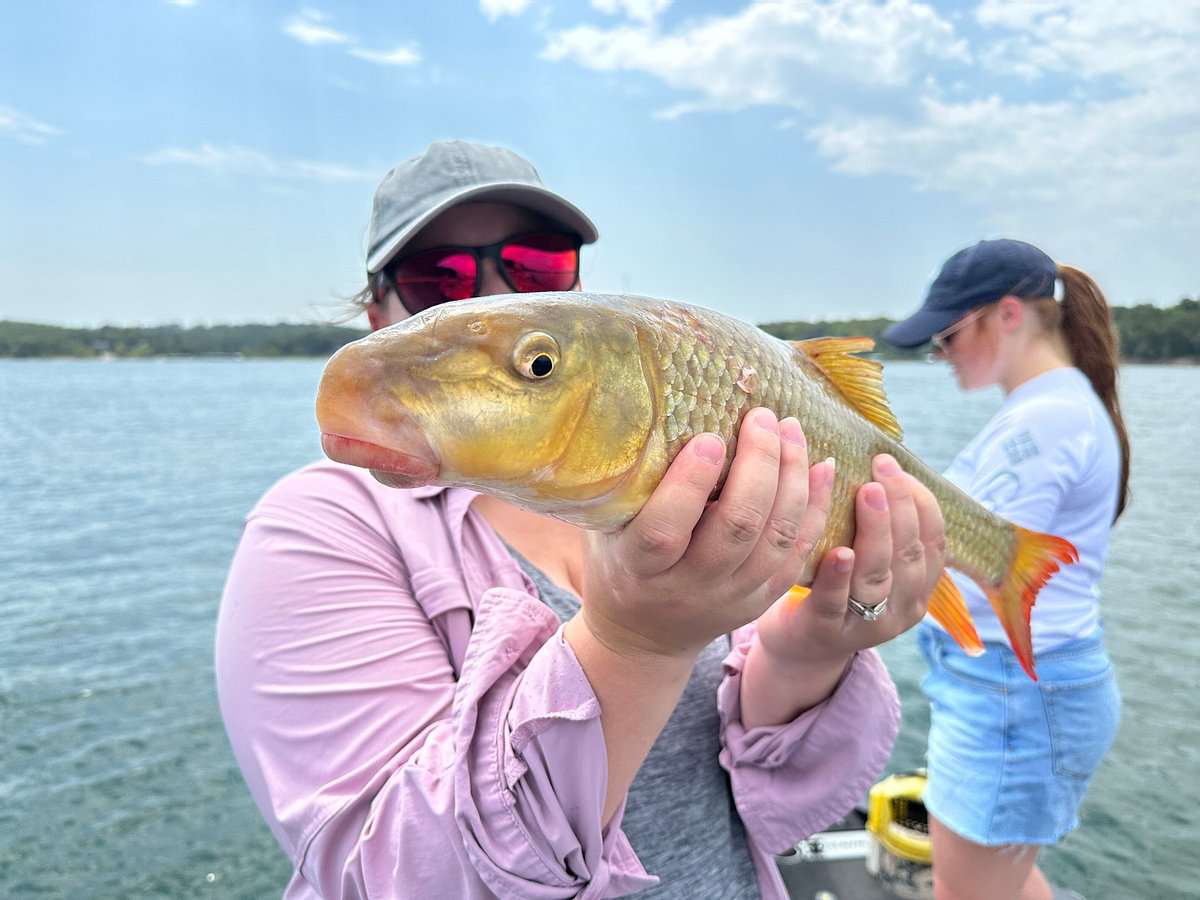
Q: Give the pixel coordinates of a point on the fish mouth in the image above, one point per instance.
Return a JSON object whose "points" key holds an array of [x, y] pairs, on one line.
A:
{"points": [[391, 467]]}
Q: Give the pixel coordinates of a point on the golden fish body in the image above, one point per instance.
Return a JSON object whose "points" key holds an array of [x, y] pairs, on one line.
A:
{"points": [[574, 404]]}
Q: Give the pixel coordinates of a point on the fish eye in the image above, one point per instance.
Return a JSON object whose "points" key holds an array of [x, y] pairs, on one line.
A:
{"points": [[536, 356]]}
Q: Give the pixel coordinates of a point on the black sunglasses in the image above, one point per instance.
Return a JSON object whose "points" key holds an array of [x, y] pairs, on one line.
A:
{"points": [[537, 261]]}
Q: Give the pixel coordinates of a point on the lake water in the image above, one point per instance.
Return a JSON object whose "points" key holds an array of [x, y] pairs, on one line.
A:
{"points": [[123, 486]]}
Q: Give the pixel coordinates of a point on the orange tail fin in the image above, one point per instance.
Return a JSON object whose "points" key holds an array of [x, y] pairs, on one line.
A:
{"points": [[947, 606], [1036, 558]]}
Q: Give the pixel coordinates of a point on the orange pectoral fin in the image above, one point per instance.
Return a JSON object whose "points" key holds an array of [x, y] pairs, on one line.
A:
{"points": [[947, 606], [1036, 558], [797, 594]]}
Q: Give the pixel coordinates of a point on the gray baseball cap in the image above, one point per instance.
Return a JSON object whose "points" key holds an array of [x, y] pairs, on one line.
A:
{"points": [[448, 173]]}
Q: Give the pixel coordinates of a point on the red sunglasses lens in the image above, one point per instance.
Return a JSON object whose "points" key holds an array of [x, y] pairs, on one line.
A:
{"points": [[531, 262], [436, 276], [541, 262]]}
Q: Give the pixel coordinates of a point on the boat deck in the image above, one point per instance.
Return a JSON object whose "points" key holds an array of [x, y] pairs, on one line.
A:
{"points": [[832, 865]]}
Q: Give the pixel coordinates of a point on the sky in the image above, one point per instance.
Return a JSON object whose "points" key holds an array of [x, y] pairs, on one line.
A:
{"points": [[211, 161]]}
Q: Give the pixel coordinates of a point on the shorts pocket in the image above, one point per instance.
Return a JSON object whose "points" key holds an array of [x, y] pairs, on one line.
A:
{"points": [[1083, 717], [975, 673]]}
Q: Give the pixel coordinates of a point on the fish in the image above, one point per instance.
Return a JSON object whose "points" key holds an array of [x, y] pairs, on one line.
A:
{"points": [[573, 404]]}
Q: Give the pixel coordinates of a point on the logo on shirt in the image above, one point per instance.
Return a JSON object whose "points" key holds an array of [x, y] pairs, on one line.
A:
{"points": [[1020, 448]]}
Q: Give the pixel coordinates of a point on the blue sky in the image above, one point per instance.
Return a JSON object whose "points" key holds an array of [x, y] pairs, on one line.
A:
{"points": [[212, 161]]}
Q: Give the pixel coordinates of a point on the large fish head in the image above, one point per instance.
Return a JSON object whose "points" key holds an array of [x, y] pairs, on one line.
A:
{"points": [[540, 398]]}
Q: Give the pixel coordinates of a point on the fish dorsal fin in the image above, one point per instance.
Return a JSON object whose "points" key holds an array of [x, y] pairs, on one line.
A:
{"points": [[859, 380]]}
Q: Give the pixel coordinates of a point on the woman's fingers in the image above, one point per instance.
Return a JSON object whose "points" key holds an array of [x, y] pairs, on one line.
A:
{"points": [[761, 529], [911, 508], [721, 564], [874, 541], [797, 516], [731, 530], [932, 530], [897, 550], [657, 537], [933, 540]]}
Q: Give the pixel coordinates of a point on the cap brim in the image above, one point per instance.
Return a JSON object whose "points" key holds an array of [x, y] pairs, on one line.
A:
{"points": [[540, 200], [918, 328]]}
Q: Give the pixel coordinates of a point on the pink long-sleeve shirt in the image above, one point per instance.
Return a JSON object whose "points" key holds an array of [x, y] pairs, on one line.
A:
{"points": [[411, 722]]}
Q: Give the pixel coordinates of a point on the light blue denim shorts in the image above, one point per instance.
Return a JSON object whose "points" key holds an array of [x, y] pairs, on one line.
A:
{"points": [[1009, 758]]}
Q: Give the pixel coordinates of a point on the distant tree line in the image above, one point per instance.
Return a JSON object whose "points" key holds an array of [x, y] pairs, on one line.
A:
{"points": [[25, 339], [1148, 334], [1152, 334]]}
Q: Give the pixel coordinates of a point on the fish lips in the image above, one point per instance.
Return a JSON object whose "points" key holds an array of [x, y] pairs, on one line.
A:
{"points": [[391, 467]]}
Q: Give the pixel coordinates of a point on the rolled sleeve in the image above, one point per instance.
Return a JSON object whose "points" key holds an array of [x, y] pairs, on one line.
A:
{"points": [[792, 780], [530, 784]]}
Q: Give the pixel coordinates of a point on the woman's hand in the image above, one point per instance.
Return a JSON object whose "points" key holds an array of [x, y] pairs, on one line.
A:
{"points": [[804, 643], [684, 571]]}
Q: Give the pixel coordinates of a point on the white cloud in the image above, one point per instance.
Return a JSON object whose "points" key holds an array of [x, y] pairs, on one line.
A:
{"points": [[181, 2], [781, 53], [401, 56], [494, 9], [1117, 136], [26, 129], [638, 10], [235, 160], [1123, 158], [1082, 109], [1143, 43], [308, 28]]}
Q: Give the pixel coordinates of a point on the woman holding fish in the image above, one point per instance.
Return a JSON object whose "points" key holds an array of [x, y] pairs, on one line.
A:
{"points": [[1009, 758], [435, 692]]}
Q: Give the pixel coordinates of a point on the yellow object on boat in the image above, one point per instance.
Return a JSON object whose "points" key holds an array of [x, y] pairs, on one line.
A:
{"points": [[897, 818]]}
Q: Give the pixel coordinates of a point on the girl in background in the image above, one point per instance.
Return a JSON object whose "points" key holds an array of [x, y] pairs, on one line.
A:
{"points": [[1010, 759]]}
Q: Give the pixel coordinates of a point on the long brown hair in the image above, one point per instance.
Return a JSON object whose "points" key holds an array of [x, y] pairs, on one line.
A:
{"points": [[1086, 323]]}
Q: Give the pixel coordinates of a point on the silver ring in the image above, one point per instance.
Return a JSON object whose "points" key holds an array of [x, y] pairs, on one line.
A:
{"points": [[868, 613]]}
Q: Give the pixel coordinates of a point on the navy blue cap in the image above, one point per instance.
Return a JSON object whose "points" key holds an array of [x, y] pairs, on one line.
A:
{"points": [[974, 277]]}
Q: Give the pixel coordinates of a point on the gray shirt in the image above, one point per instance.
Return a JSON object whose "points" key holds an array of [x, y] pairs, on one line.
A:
{"points": [[680, 816]]}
